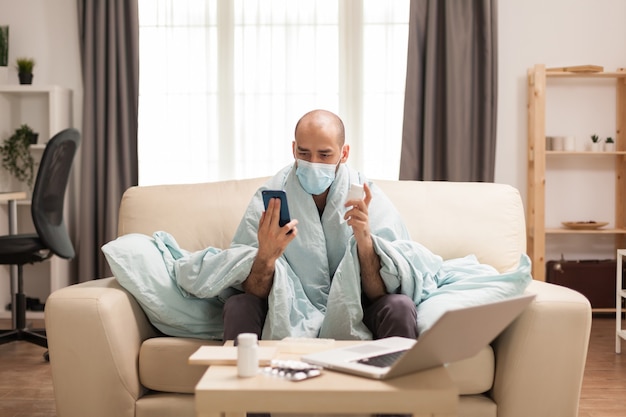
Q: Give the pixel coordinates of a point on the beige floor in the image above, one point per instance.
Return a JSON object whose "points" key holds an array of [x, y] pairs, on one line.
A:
{"points": [[26, 382]]}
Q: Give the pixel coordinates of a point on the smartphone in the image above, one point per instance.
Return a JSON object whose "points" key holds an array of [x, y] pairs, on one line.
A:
{"points": [[284, 208]]}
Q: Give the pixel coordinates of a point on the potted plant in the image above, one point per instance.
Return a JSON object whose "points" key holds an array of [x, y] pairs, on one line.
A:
{"points": [[609, 145], [16, 156], [595, 143], [25, 70]]}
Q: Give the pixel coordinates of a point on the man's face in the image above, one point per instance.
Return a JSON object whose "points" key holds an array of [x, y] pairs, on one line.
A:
{"points": [[318, 146]]}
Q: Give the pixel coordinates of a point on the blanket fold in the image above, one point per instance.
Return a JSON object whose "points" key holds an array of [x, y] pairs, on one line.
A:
{"points": [[407, 267], [317, 289]]}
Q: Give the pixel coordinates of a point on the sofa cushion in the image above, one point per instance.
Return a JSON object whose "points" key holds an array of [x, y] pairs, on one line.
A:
{"points": [[474, 375], [163, 366]]}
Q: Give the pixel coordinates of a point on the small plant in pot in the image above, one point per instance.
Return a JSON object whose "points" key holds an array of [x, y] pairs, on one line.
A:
{"points": [[25, 70], [16, 156], [596, 145], [609, 145]]}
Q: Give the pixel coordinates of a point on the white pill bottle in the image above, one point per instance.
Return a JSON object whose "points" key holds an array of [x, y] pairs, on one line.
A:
{"points": [[247, 355]]}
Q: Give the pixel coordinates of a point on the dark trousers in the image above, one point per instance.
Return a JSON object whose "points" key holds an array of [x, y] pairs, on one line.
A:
{"points": [[390, 315]]}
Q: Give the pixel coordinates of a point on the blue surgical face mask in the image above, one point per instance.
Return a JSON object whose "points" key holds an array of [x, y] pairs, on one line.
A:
{"points": [[315, 178]]}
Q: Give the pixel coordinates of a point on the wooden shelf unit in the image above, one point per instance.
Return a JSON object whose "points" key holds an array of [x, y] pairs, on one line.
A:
{"points": [[538, 77]]}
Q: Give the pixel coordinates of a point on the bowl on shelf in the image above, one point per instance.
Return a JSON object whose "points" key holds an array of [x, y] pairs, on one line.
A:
{"points": [[586, 225]]}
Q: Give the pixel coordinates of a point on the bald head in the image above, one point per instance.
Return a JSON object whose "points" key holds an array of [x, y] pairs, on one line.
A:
{"points": [[320, 138], [321, 122]]}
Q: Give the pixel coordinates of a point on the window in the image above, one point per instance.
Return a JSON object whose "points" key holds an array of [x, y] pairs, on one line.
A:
{"points": [[223, 83]]}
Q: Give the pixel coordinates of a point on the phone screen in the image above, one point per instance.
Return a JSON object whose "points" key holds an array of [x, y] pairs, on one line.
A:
{"points": [[284, 208]]}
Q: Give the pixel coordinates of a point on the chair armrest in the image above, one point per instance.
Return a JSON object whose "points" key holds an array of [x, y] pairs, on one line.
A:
{"points": [[540, 358], [95, 330]]}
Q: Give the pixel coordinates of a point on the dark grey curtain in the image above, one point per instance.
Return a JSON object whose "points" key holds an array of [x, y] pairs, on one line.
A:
{"points": [[449, 130], [109, 35]]}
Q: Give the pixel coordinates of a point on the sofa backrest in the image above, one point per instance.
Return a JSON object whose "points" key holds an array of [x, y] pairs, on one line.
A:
{"points": [[452, 219], [197, 215], [456, 219]]}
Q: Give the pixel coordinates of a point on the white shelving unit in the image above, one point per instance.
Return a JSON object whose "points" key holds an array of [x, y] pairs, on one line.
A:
{"points": [[47, 110]]}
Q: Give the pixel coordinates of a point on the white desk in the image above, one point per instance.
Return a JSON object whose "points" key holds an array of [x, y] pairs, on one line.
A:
{"points": [[11, 198]]}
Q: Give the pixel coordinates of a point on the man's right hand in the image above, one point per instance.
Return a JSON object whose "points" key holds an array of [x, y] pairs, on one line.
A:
{"points": [[273, 241]]}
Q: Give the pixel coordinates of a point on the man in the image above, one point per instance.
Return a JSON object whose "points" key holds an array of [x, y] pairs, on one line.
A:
{"points": [[315, 245]]}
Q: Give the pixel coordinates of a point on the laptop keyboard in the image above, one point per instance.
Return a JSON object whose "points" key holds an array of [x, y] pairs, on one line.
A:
{"points": [[382, 361]]}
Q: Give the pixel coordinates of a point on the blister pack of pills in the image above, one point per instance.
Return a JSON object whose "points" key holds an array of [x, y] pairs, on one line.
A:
{"points": [[292, 370]]}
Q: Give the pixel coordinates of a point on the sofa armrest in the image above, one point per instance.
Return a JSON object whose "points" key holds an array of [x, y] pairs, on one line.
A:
{"points": [[95, 330], [540, 358]]}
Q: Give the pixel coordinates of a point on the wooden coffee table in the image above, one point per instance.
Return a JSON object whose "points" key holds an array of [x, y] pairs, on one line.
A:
{"points": [[220, 392]]}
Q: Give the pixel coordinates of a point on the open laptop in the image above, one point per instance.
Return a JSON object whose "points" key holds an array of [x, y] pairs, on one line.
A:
{"points": [[457, 334]]}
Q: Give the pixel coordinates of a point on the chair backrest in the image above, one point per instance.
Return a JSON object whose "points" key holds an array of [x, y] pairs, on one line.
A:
{"points": [[49, 192]]}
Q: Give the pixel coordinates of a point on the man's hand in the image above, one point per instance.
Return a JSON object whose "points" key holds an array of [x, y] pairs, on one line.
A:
{"points": [[273, 241], [358, 218]]}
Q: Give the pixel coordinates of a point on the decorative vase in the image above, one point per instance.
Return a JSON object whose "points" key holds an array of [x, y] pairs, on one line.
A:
{"points": [[25, 78]]}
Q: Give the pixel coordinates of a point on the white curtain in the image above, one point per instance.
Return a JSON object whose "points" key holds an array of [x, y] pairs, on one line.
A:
{"points": [[223, 83]]}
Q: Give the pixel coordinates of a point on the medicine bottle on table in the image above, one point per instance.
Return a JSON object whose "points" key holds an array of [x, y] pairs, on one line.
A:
{"points": [[247, 355]]}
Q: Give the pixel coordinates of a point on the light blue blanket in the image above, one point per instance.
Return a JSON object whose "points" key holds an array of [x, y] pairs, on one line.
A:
{"points": [[316, 290]]}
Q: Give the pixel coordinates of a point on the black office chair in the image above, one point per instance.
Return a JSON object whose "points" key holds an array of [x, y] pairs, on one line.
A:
{"points": [[51, 237]]}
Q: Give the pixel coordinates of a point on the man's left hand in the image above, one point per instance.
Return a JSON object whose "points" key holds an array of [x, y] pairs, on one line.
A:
{"points": [[357, 217]]}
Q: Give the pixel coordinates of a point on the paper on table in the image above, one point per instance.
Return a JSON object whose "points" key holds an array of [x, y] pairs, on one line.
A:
{"points": [[300, 345], [227, 355]]}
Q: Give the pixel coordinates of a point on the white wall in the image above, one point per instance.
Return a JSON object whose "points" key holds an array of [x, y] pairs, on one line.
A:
{"points": [[555, 33], [46, 30], [561, 33]]}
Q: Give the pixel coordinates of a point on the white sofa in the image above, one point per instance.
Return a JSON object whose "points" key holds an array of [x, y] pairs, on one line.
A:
{"points": [[108, 361]]}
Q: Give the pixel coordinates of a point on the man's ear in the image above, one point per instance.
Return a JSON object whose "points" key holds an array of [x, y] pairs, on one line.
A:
{"points": [[293, 149], [345, 152]]}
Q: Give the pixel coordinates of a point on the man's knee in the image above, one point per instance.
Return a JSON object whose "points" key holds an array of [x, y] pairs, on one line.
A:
{"points": [[243, 304], [401, 317], [243, 313], [400, 306], [392, 315]]}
